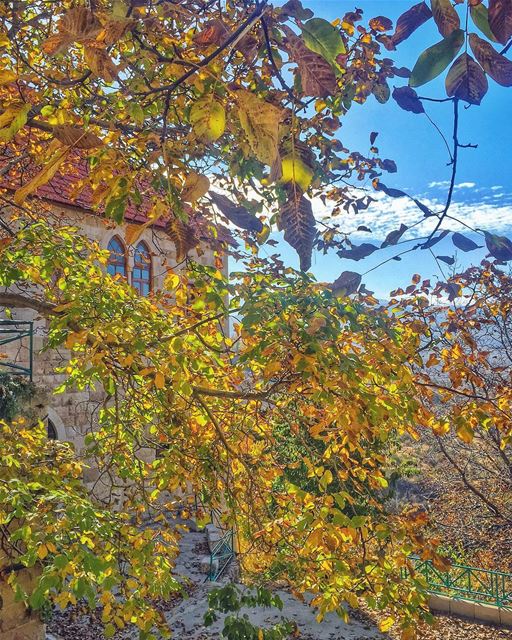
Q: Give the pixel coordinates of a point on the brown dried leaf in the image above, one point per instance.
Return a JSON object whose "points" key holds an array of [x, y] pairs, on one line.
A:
{"points": [[215, 32], [381, 23], [409, 21], [183, 237], [248, 47], [408, 100], [294, 9], [347, 283], [297, 219], [492, 62], [195, 187], [500, 19], [115, 29], [317, 76], [445, 17], [100, 63], [76, 137], [466, 80], [235, 213], [77, 25]]}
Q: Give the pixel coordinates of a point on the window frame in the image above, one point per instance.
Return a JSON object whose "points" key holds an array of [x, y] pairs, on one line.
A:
{"points": [[122, 259], [138, 283], [51, 430]]}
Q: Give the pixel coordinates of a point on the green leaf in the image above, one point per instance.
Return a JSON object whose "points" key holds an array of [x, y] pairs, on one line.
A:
{"points": [[322, 38], [480, 17], [434, 60]]}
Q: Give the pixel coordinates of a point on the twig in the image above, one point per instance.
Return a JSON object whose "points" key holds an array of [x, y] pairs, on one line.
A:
{"points": [[455, 155], [279, 76], [232, 40]]}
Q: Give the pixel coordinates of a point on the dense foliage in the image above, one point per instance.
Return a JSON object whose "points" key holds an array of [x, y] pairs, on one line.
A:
{"points": [[271, 396]]}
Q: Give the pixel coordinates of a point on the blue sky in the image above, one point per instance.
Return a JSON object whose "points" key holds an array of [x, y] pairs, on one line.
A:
{"points": [[483, 196]]}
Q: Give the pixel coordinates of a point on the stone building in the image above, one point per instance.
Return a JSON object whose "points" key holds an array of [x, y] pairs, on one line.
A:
{"points": [[144, 264]]}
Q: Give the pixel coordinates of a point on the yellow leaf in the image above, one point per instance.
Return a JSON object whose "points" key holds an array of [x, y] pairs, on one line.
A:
{"points": [[172, 281], [272, 367], [386, 624], [134, 231], [44, 176], [13, 119], [127, 361], [7, 76], [465, 432], [260, 121], [195, 187], [326, 478], [42, 552], [62, 307], [159, 380], [208, 119], [296, 171]]}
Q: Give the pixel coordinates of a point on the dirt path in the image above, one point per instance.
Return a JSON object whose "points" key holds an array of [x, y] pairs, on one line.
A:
{"points": [[185, 616]]}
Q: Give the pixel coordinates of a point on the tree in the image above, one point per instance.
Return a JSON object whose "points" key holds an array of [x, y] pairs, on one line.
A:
{"points": [[465, 379], [327, 366], [159, 101]]}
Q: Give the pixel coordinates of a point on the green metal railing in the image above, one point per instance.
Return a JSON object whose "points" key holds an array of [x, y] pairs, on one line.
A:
{"points": [[482, 586], [12, 331], [221, 556]]}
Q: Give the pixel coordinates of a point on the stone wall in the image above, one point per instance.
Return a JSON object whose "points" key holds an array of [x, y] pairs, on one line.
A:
{"points": [[480, 612], [17, 622]]}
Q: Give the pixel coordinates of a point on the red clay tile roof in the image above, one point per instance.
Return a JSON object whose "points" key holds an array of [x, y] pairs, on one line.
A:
{"points": [[62, 190]]}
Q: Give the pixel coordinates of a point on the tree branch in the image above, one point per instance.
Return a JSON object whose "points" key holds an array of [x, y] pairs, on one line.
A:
{"points": [[19, 301], [237, 35]]}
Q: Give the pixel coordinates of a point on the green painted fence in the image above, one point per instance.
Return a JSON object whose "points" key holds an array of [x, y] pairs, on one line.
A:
{"points": [[221, 556], [483, 586], [15, 331]]}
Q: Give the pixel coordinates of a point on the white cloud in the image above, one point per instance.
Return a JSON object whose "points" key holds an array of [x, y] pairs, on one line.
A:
{"points": [[441, 183], [497, 187], [387, 214], [465, 185], [446, 183]]}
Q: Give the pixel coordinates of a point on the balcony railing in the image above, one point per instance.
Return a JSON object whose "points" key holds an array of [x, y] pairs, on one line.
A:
{"points": [[18, 337]]}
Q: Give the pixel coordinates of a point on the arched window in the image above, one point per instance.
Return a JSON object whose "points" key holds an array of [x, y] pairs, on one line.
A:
{"points": [[51, 430], [117, 258], [141, 276]]}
